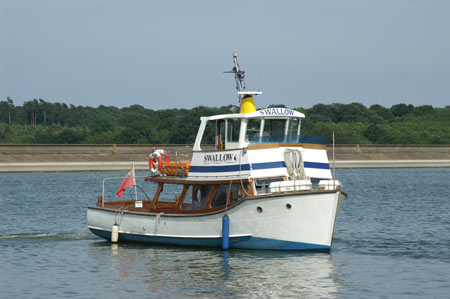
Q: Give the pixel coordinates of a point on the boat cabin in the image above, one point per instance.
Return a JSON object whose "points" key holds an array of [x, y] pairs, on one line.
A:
{"points": [[255, 143], [237, 131], [195, 196]]}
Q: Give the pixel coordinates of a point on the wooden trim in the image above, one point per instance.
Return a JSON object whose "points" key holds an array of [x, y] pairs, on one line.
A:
{"points": [[180, 198], [161, 205], [250, 189], [219, 123], [203, 212], [155, 198], [212, 193], [172, 212], [263, 146], [228, 202], [119, 202]]}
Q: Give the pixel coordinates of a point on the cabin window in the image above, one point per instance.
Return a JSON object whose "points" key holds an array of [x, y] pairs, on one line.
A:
{"points": [[170, 193], [209, 133], [220, 198], [237, 193], [199, 196], [234, 126], [253, 127], [293, 126], [196, 197], [274, 127]]}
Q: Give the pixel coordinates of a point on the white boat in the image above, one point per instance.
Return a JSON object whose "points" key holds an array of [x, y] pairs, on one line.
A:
{"points": [[263, 186]]}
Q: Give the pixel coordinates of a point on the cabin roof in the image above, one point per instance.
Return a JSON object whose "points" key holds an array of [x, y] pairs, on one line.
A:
{"points": [[268, 113]]}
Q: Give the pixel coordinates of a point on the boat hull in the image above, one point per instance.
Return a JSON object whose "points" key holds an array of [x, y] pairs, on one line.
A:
{"points": [[278, 222]]}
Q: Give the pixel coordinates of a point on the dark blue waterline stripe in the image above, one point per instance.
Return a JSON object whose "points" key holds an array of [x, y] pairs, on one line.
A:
{"points": [[246, 242], [255, 166]]}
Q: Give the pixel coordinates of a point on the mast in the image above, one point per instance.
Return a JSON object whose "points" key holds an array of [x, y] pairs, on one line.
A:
{"points": [[238, 76], [245, 97]]}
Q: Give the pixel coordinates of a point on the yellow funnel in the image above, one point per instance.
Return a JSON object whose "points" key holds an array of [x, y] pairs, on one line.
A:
{"points": [[247, 105]]}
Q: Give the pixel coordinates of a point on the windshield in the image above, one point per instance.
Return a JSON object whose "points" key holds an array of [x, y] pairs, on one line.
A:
{"points": [[288, 139], [278, 131]]}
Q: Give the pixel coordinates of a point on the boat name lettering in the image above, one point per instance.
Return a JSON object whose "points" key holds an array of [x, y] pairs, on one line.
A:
{"points": [[220, 158], [276, 111]]}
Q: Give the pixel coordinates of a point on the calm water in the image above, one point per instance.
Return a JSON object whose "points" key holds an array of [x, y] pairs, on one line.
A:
{"points": [[392, 240]]}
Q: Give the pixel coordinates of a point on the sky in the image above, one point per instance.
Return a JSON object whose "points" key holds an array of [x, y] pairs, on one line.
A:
{"points": [[172, 53]]}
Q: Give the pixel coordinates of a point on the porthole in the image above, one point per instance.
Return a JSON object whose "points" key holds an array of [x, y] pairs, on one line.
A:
{"points": [[288, 206], [259, 209]]}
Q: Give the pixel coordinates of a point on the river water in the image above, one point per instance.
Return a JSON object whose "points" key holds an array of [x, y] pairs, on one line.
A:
{"points": [[392, 240]]}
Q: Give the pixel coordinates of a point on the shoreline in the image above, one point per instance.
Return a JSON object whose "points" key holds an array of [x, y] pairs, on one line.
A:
{"points": [[112, 157], [17, 167]]}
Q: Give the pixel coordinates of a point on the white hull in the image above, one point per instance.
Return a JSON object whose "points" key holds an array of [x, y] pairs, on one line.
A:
{"points": [[296, 221]]}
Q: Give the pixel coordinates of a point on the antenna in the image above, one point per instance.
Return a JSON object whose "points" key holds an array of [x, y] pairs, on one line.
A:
{"points": [[238, 76]]}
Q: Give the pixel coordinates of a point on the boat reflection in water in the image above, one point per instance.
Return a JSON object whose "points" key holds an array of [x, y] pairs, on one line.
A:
{"points": [[185, 272]]}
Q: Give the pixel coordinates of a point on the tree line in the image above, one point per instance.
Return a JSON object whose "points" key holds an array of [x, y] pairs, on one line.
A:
{"points": [[42, 122]]}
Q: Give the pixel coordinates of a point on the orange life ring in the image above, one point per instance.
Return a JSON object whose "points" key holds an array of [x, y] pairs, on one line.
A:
{"points": [[155, 160]]}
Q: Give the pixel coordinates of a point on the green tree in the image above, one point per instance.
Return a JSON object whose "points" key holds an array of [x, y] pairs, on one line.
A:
{"points": [[402, 109]]}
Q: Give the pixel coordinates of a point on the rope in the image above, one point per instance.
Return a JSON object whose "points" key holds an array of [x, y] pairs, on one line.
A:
{"points": [[119, 215], [294, 164], [157, 221], [158, 217], [240, 176]]}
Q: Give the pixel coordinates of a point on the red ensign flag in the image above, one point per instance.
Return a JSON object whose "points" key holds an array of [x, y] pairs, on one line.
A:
{"points": [[128, 181]]}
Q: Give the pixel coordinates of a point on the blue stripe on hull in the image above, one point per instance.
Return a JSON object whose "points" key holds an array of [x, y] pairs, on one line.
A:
{"points": [[246, 242], [225, 168], [255, 166], [316, 165]]}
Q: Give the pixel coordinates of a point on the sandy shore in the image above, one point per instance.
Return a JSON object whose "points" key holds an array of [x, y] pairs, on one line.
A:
{"points": [[35, 158]]}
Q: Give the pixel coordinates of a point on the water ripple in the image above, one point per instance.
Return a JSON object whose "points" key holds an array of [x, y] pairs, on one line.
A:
{"points": [[46, 236], [391, 241]]}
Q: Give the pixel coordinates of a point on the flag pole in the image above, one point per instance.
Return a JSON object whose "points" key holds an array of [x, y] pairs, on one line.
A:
{"points": [[134, 178]]}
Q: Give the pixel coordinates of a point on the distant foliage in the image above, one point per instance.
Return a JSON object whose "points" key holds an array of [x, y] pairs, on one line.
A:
{"points": [[41, 122], [400, 124]]}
